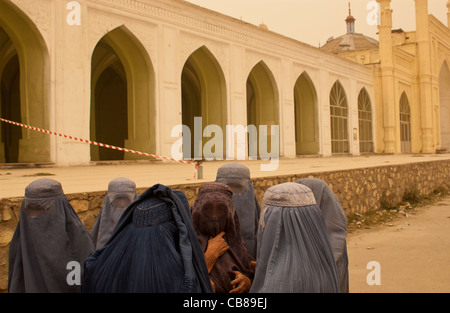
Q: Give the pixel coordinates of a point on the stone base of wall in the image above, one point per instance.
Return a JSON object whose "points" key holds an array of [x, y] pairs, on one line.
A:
{"points": [[359, 190]]}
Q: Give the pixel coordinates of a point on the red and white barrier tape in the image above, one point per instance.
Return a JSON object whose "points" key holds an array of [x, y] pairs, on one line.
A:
{"points": [[101, 144]]}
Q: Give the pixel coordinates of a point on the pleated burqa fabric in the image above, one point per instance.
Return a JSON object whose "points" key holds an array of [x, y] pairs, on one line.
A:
{"points": [[153, 249], [48, 236], [294, 253], [121, 193], [336, 222], [237, 176], [236, 258]]}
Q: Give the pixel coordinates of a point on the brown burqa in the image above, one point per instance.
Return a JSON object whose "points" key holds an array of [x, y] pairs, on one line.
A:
{"points": [[217, 197]]}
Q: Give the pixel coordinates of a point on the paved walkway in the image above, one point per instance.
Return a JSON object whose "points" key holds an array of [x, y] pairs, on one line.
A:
{"points": [[95, 178]]}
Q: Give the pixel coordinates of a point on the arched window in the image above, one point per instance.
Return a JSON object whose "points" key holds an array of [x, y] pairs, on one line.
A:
{"points": [[365, 122], [339, 119], [405, 124]]}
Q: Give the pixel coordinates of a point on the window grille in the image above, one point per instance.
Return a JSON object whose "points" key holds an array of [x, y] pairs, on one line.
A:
{"points": [[339, 119], [365, 122], [405, 124]]}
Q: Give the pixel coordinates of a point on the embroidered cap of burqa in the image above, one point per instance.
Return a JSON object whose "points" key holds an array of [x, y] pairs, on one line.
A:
{"points": [[153, 249], [294, 253], [237, 176], [121, 193], [236, 258], [336, 222], [48, 236]]}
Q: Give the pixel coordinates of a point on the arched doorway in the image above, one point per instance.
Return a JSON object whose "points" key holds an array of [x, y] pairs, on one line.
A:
{"points": [[262, 108], [109, 118], [10, 110], [444, 106], [24, 76], [203, 92], [365, 122], [405, 124], [305, 108], [122, 97], [339, 119]]}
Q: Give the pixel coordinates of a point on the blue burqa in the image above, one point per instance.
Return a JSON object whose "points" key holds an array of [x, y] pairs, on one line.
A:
{"points": [[153, 249], [48, 237], [121, 192], [294, 253], [336, 222], [237, 176]]}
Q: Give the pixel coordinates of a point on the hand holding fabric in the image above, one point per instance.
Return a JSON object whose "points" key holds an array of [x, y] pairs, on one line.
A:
{"points": [[241, 283], [217, 246]]}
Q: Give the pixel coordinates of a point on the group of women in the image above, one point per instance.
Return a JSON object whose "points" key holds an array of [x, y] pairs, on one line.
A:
{"points": [[157, 243]]}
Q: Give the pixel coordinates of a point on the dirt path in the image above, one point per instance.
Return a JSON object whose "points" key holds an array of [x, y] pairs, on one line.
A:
{"points": [[413, 253]]}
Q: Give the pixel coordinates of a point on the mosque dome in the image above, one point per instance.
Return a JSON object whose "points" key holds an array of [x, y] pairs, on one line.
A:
{"points": [[351, 41], [263, 26]]}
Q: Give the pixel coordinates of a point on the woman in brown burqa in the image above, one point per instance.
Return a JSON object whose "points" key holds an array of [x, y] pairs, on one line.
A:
{"points": [[217, 227]]}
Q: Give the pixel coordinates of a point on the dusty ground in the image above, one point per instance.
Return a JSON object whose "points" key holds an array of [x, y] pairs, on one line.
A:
{"points": [[411, 244]]}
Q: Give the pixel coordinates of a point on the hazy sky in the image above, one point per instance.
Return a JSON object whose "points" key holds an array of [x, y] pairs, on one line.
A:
{"points": [[314, 21]]}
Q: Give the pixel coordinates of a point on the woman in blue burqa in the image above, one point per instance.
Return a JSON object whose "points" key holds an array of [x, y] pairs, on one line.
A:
{"points": [[153, 249], [237, 177], [294, 253], [121, 192], [48, 237], [336, 222]]}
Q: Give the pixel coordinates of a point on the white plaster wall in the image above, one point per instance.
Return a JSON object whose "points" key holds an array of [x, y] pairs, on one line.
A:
{"points": [[170, 31]]}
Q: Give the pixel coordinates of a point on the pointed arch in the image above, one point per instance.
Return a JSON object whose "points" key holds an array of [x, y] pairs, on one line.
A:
{"points": [[25, 75], [405, 124], [444, 106], [262, 103], [122, 96], [365, 122], [339, 119], [10, 109], [306, 116], [203, 90]]}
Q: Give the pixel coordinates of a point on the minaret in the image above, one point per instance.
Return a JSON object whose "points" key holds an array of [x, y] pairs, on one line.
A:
{"points": [[448, 14], [390, 115], [350, 20], [425, 85]]}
